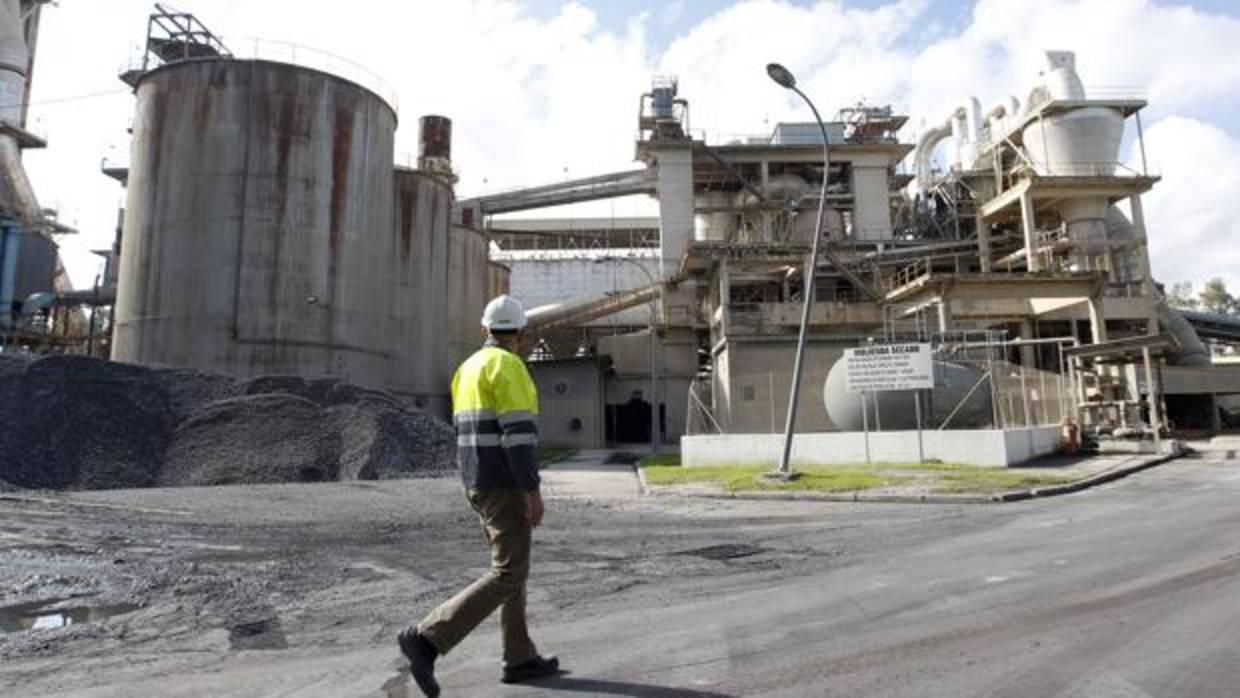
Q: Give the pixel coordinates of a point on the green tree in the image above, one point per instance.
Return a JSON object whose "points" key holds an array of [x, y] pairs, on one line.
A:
{"points": [[1214, 298], [1181, 296]]}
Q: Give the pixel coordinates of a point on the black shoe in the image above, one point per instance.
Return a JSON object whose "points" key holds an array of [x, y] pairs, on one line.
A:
{"points": [[421, 655], [536, 668]]}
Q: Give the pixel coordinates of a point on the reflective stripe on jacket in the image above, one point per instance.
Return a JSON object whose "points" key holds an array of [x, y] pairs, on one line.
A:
{"points": [[494, 407]]}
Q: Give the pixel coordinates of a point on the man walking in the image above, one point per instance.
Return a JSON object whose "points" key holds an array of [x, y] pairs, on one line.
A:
{"points": [[494, 405]]}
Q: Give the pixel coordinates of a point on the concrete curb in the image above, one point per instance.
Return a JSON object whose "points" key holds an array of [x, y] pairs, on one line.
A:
{"points": [[1100, 479], [1000, 498], [643, 487]]}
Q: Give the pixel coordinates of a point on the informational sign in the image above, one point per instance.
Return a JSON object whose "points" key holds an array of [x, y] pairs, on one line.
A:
{"points": [[888, 367]]}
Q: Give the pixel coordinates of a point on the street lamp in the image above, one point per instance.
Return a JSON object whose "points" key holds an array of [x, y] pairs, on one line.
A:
{"points": [[784, 78], [654, 341]]}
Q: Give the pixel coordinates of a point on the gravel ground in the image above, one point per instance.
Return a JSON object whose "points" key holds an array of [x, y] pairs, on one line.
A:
{"points": [[75, 423]]}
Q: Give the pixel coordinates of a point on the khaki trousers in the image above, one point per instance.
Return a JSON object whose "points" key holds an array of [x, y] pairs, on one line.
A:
{"points": [[502, 513]]}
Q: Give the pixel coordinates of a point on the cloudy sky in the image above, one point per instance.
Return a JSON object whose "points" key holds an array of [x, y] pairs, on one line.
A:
{"points": [[541, 90]]}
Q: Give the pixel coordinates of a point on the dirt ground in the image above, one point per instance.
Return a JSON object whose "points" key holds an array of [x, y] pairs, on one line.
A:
{"points": [[225, 576]]}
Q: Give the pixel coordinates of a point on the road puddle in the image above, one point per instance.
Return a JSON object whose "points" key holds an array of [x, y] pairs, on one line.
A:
{"points": [[42, 615]]}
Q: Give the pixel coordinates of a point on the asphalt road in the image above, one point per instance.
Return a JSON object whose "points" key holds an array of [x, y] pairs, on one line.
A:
{"points": [[1127, 590]]}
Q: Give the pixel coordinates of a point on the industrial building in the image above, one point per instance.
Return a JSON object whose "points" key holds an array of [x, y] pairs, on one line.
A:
{"points": [[267, 230], [1004, 242]]}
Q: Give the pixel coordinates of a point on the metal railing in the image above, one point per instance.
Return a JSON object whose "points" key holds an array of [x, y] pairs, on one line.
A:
{"points": [[908, 274], [1054, 168], [254, 48]]}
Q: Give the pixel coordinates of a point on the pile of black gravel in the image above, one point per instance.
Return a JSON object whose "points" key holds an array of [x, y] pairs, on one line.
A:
{"points": [[69, 422]]}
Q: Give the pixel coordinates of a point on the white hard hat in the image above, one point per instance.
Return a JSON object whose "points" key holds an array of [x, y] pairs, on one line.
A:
{"points": [[504, 313]]}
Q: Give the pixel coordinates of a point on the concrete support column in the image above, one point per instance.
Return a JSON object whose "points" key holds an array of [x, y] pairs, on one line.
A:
{"points": [[1028, 355], [872, 194], [1097, 321], [1142, 253], [945, 315], [675, 189], [983, 243], [1029, 230], [1152, 398]]}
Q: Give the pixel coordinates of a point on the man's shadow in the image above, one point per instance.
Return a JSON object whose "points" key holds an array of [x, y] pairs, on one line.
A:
{"points": [[604, 687], [399, 686]]}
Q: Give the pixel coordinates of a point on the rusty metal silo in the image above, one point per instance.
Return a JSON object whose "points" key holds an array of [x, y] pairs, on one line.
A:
{"points": [[259, 223]]}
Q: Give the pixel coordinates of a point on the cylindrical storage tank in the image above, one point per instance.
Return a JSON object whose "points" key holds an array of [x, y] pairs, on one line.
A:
{"points": [[468, 286], [257, 224], [419, 298], [897, 410]]}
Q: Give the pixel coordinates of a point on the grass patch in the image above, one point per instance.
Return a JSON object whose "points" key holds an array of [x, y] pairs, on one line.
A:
{"points": [[989, 480], [661, 459], [939, 478], [547, 456], [930, 467], [748, 478]]}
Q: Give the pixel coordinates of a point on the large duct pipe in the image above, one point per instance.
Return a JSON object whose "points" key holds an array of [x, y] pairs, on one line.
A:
{"points": [[1192, 351], [999, 116], [545, 318], [14, 61], [965, 125], [925, 150], [16, 195], [969, 117]]}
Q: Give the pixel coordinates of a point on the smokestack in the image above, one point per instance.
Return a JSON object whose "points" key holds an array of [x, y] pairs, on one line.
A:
{"points": [[435, 146]]}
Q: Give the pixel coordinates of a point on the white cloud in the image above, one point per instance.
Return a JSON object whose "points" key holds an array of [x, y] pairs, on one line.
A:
{"points": [[1193, 215], [536, 98]]}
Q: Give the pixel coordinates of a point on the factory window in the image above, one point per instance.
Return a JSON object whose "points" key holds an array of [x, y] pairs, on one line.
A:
{"points": [[747, 393]]}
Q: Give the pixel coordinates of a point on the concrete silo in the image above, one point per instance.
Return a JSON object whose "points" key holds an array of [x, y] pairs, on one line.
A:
{"points": [[258, 222], [420, 298], [469, 280]]}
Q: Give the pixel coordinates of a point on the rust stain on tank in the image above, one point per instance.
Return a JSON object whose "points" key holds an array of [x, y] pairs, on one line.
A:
{"points": [[342, 149], [408, 210], [286, 127]]}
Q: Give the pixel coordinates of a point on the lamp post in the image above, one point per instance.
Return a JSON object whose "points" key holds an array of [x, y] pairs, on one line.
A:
{"points": [[654, 341], [784, 78]]}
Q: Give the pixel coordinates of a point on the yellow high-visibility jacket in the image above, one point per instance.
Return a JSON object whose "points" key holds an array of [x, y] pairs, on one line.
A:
{"points": [[495, 407]]}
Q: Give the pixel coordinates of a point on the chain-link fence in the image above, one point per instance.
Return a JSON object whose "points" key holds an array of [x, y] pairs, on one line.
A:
{"points": [[983, 379]]}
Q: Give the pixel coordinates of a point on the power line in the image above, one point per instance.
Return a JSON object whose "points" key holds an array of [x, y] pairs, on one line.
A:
{"points": [[59, 100]]}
